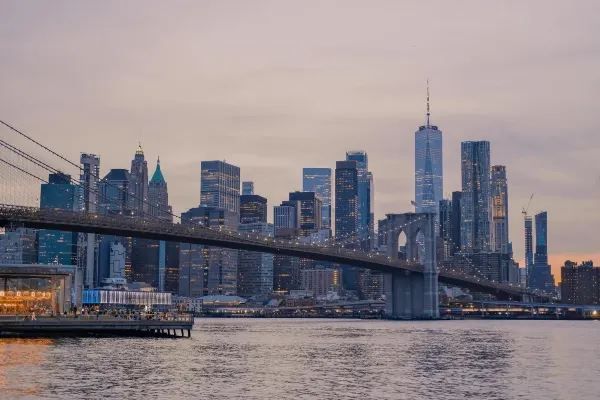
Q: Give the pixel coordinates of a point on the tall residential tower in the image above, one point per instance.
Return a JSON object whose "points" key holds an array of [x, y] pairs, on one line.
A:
{"points": [[318, 180], [500, 242], [475, 199], [138, 187], [364, 229]]}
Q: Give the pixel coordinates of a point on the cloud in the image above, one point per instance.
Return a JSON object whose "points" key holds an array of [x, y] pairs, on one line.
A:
{"points": [[277, 86]]}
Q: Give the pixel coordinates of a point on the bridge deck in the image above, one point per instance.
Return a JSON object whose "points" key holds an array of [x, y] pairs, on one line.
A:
{"points": [[196, 234]]}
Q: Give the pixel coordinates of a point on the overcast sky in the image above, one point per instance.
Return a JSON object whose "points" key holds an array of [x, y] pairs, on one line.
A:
{"points": [[276, 86]]}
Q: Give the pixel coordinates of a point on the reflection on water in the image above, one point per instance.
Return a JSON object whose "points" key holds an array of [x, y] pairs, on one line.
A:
{"points": [[17, 355], [266, 358]]}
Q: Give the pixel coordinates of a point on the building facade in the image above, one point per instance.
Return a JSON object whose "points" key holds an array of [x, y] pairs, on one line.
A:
{"points": [[253, 208], [346, 200], [364, 229], [206, 270], [475, 198], [114, 192], [580, 284], [58, 247], [158, 196], [220, 186], [255, 270], [455, 221], [321, 281], [18, 246], [308, 207], [138, 186], [114, 200], [247, 188], [318, 180], [541, 276], [500, 241], [88, 202], [528, 225]]}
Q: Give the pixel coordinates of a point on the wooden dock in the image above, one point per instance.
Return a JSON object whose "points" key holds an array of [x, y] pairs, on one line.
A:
{"points": [[179, 325]]}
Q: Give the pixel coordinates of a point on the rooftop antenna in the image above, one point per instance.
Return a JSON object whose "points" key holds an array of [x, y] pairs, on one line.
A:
{"points": [[428, 113]]}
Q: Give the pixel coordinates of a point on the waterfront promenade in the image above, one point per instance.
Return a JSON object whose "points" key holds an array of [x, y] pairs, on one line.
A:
{"points": [[141, 324]]}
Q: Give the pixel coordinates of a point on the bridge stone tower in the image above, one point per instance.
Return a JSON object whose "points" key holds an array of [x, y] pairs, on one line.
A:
{"points": [[410, 294]]}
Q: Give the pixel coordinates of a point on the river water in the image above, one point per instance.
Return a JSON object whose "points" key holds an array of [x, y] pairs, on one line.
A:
{"points": [[315, 358]]}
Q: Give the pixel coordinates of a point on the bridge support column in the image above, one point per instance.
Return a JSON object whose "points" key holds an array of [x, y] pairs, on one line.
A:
{"points": [[402, 296], [412, 295], [430, 271], [388, 292]]}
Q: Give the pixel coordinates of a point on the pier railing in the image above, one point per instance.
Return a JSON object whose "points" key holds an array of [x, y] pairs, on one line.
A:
{"points": [[163, 316]]}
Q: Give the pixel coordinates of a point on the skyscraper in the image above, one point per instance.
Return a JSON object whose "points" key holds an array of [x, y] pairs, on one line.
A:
{"points": [[220, 185], [285, 219], [139, 183], [445, 245], [528, 243], [88, 182], [455, 222], [347, 215], [158, 195], [475, 199], [541, 238], [57, 247], [114, 192], [253, 208], [308, 212], [145, 258], [541, 276], [158, 199], [114, 199], [500, 241], [247, 187], [365, 195], [255, 269], [203, 269], [88, 202], [286, 269], [429, 183], [318, 180], [580, 284], [17, 246], [346, 200]]}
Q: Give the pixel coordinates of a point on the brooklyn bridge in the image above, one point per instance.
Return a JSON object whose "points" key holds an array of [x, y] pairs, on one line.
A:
{"points": [[410, 285]]}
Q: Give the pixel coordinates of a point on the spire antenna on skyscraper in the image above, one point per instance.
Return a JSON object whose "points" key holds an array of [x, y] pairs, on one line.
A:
{"points": [[428, 113]]}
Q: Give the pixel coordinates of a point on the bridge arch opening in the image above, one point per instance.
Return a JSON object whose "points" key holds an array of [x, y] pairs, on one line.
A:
{"points": [[401, 249]]}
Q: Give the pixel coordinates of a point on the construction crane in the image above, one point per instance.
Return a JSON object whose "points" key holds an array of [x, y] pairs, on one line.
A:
{"points": [[525, 209]]}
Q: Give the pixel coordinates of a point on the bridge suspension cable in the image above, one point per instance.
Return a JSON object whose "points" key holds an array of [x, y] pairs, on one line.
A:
{"points": [[22, 170], [51, 169]]}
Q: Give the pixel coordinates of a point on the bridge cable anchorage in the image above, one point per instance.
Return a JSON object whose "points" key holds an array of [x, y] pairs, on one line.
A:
{"points": [[54, 170]]}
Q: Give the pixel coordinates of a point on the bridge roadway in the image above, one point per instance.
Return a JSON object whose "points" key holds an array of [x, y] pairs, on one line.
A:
{"points": [[187, 233]]}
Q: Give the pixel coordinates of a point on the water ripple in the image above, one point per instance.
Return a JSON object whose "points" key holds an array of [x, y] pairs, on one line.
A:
{"points": [[307, 359]]}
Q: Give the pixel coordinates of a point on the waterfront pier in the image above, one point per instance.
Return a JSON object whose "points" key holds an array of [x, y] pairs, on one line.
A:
{"points": [[153, 325]]}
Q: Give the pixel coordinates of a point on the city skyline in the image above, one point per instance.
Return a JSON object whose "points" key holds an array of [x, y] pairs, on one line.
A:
{"points": [[271, 135]]}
